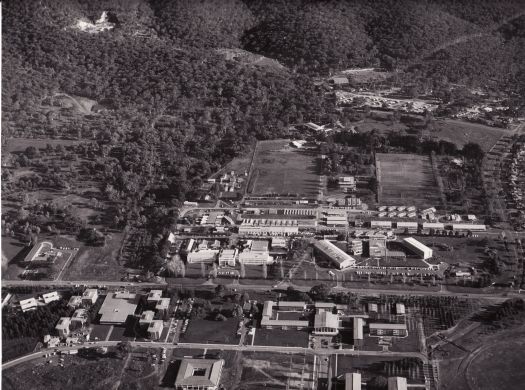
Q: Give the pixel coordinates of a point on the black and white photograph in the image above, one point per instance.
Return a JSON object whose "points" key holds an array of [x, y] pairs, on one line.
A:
{"points": [[262, 194]]}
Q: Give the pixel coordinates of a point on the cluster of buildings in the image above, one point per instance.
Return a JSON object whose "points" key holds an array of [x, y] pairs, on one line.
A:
{"points": [[353, 381], [329, 319], [229, 181], [32, 303]]}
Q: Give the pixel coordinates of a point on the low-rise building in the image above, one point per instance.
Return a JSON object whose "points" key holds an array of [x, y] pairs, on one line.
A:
{"points": [[353, 381], [463, 227], [199, 374], [347, 183], [326, 324], [28, 304], [79, 318], [163, 304], [155, 328], [381, 224], [203, 256], [75, 301], [337, 256], [50, 297], [228, 257], [400, 309], [417, 248], [358, 324], [154, 296], [62, 327], [279, 242], [393, 330], [410, 227], [397, 383], [271, 321], [117, 307], [355, 247], [146, 317], [90, 296]]}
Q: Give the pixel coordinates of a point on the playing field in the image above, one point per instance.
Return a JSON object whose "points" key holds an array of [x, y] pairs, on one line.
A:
{"points": [[281, 169], [461, 132], [406, 179]]}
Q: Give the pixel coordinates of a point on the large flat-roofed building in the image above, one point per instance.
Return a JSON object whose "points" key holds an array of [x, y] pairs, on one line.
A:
{"points": [[79, 317], [337, 256], [336, 220], [463, 227], [258, 254], [41, 252], [358, 328], [353, 381], [117, 307], [433, 225], [417, 248], [90, 296], [394, 330], [199, 374], [279, 242], [269, 227], [62, 326], [326, 324], [228, 257], [163, 304], [202, 256], [146, 317], [270, 318], [397, 383], [381, 224], [411, 227]]}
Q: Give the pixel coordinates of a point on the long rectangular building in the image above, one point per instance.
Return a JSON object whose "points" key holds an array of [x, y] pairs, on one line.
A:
{"points": [[353, 381], [468, 226], [418, 248], [340, 258]]}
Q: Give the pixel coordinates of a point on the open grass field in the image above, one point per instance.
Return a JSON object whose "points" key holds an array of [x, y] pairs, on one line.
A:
{"points": [[213, 332], [287, 338], [406, 179], [461, 132], [97, 263], [280, 169]]}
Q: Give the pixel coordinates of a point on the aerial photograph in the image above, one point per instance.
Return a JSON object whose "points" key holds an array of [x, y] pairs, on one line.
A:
{"points": [[263, 194]]}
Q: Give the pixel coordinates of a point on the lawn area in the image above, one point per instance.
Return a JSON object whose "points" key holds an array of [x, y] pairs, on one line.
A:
{"points": [[97, 263], [278, 337], [406, 179], [281, 169], [99, 332], [214, 332], [20, 144], [500, 366], [461, 132]]}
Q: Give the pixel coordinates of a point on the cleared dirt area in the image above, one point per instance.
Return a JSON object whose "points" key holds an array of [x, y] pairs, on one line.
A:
{"points": [[279, 168], [406, 179]]}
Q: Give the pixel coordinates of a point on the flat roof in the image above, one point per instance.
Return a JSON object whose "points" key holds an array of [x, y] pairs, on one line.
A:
{"points": [[326, 319], [156, 325], [117, 307], [336, 254], [199, 372], [259, 245], [388, 326], [353, 381], [416, 244]]}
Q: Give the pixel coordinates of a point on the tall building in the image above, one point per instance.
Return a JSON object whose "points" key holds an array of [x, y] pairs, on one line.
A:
{"points": [[417, 248]]}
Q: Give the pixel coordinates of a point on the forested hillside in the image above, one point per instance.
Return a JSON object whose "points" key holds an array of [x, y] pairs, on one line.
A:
{"points": [[158, 108]]}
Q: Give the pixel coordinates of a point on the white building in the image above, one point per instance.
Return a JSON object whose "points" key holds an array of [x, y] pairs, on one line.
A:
{"points": [[75, 301], [203, 256], [355, 247], [279, 242], [326, 324], [381, 224], [62, 326], [228, 257], [255, 258], [155, 329], [340, 258], [146, 317], [417, 247], [79, 317], [397, 383], [358, 328], [90, 296], [28, 304], [353, 381], [347, 183], [400, 309], [466, 226], [50, 297]]}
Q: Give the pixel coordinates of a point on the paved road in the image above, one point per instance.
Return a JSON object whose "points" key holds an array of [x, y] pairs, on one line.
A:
{"points": [[231, 347], [253, 287]]}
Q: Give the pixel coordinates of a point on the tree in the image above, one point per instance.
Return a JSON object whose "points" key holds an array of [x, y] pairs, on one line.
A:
{"points": [[320, 292], [378, 383], [123, 348], [220, 290]]}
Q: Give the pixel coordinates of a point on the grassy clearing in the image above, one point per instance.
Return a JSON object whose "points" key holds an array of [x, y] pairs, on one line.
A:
{"points": [[214, 332], [97, 263], [280, 169], [406, 179], [20, 144], [278, 337], [460, 133]]}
